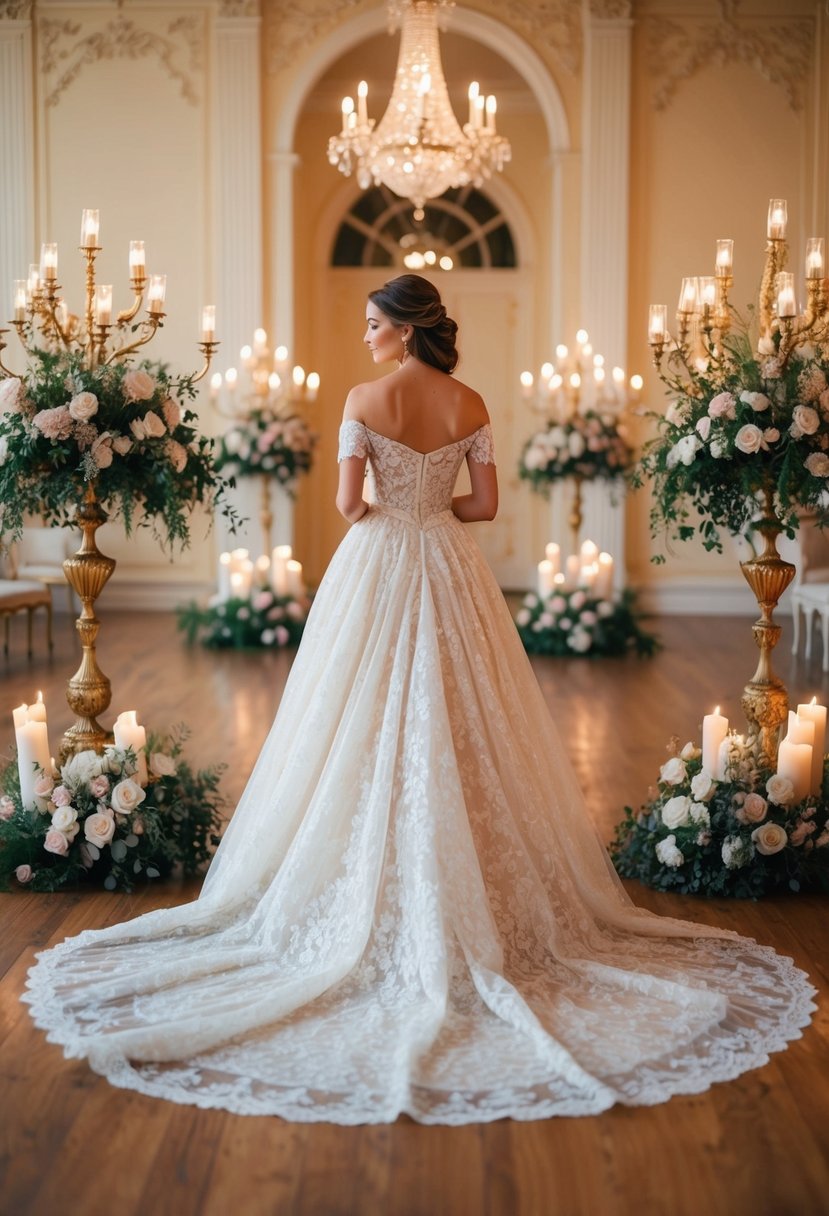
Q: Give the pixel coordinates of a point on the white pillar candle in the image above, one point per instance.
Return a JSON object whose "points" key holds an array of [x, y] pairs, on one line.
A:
{"points": [[588, 553], [816, 714], [552, 553], [723, 756], [714, 730], [296, 587], [603, 586], [238, 557], [262, 570], [237, 584], [800, 730], [572, 566], [280, 557], [794, 760], [129, 734], [32, 755], [546, 578]]}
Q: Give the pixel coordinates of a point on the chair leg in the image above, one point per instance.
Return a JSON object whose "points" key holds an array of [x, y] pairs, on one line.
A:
{"points": [[6, 619], [30, 612], [824, 623], [795, 626], [49, 640], [809, 613]]}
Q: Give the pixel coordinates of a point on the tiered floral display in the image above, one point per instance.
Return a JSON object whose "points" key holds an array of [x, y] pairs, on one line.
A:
{"points": [[95, 820], [262, 619], [590, 445], [577, 623], [269, 442]]}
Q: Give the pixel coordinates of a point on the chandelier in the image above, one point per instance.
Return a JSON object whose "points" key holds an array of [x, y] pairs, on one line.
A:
{"points": [[418, 148]]}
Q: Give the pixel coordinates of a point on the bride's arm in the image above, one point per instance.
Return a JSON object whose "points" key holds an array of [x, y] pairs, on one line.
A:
{"points": [[350, 501], [482, 503]]}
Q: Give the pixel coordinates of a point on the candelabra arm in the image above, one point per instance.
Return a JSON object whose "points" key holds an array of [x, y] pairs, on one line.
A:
{"points": [[208, 349], [127, 314], [151, 325], [6, 371]]}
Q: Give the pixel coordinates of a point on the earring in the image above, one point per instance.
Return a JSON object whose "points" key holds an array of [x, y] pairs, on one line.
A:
{"points": [[405, 350]]}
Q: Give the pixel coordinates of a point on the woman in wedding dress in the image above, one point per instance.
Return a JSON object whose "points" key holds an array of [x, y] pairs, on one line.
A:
{"points": [[410, 911]]}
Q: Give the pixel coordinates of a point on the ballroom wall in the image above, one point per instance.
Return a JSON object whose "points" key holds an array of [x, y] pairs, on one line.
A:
{"points": [[641, 132]]}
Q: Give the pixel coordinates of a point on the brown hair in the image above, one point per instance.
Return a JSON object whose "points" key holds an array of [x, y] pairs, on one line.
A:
{"points": [[412, 300]]}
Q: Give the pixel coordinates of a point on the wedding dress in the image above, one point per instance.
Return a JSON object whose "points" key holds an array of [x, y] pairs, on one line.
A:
{"points": [[410, 910]]}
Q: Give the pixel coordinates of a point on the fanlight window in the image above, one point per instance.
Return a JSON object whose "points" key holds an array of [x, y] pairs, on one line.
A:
{"points": [[461, 229]]}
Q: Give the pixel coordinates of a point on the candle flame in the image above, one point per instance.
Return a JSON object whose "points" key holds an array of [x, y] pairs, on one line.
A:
{"points": [[813, 701], [40, 697], [717, 710]]}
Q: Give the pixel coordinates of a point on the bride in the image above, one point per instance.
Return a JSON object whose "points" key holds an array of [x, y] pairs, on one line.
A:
{"points": [[410, 911]]}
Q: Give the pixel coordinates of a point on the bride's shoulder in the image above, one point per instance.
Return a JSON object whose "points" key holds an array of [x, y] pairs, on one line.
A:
{"points": [[473, 405], [358, 400]]}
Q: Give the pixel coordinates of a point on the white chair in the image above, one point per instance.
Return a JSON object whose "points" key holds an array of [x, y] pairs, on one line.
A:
{"points": [[39, 555], [810, 589]]}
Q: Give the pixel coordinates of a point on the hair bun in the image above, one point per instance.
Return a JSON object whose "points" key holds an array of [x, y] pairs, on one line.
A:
{"points": [[412, 300]]}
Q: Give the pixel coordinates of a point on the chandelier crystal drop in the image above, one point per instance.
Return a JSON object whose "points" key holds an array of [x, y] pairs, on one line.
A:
{"points": [[418, 148]]}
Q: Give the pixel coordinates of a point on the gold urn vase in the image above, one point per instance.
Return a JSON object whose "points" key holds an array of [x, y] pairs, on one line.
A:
{"points": [[89, 691], [765, 700]]}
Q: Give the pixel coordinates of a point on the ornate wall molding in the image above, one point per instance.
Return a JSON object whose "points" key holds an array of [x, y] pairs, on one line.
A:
{"points": [[611, 10], [780, 52], [291, 24], [239, 8], [66, 50], [15, 10]]}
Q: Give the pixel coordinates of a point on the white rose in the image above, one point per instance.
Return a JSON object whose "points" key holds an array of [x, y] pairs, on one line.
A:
{"points": [[99, 829], [162, 765], [690, 752], [676, 811], [668, 853], [758, 401], [81, 768], [83, 406], [780, 790], [805, 419], [523, 617], [11, 394], [749, 439], [673, 771], [700, 815], [702, 787], [818, 464], [765, 345], [64, 818], [126, 796], [684, 451], [769, 838]]}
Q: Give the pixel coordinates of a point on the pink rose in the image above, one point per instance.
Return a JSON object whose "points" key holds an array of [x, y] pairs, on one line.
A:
{"points": [[101, 451], [805, 421], [771, 434], [138, 385], [24, 874], [172, 413], [61, 796], [6, 807], [749, 439], [769, 839], [703, 427], [122, 444], [137, 825], [722, 406], [44, 784], [55, 423], [818, 464], [56, 842], [754, 808], [176, 454], [99, 786], [138, 429], [282, 635], [262, 600], [83, 406], [99, 829], [153, 425], [11, 395]]}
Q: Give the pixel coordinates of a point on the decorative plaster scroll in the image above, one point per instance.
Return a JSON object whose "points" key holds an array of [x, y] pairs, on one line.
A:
{"points": [[678, 50], [611, 10], [239, 8], [65, 54], [555, 26], [292, 24], [15, 10]]}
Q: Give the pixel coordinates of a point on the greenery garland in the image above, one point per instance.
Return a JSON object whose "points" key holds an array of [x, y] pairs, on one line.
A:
{"points": [[577, 623], [94, 821], [742, 836]]}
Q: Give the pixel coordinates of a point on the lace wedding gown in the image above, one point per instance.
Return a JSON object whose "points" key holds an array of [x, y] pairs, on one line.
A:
{"points": [[410, 911]]}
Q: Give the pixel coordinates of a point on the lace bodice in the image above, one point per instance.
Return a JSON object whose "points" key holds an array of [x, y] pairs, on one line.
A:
{"points": [[416, 484]]}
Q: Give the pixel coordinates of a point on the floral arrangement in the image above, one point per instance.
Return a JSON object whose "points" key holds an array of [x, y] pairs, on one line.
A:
{"points": [[262, 620], [740, 424], [590, 445], [266, 442], [576, 622], [94, 820], [124, 430], [742, 836]]}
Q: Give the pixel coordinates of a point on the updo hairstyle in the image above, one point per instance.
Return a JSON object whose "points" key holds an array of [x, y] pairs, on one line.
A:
{"points": [[412, 300]]}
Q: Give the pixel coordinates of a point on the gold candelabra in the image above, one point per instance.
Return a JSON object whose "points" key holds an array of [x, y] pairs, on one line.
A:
{"points": [[42, 317], [703, 320]]}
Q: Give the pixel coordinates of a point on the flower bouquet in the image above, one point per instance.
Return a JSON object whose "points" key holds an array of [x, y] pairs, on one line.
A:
{"points": [[270, 443], [94, 820], [577, 622], [65, 427], [591, 445], [263, 619], [742, 836]]}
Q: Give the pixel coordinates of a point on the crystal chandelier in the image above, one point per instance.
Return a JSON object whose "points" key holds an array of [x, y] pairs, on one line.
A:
{"points": [[418, 148]]}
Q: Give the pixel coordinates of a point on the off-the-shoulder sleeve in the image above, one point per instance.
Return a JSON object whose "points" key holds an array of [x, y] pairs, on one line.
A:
{"points": [[482, 447], [353, 440]]}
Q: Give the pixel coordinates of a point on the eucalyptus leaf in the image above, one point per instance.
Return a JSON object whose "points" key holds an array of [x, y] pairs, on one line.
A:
{"points": [[131, 841], [118, 849], [152, 872], [110, 882], [94, 851]]}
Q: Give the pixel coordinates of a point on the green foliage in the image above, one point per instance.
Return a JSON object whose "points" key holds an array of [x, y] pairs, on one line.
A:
{"points": [[577, 623], [263, 620], [590, 445], [176, 824], [50, 453], [268, 443]]}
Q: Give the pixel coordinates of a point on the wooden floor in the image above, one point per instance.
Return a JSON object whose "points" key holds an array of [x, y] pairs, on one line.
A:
{"points": [[73, 1145]]}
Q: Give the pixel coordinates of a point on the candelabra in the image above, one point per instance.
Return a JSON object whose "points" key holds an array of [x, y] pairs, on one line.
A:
{"points": [[264, 408], [42, 320], [578, 397], [702, 358]]}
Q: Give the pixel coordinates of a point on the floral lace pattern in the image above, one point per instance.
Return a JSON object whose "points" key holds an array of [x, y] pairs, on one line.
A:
{"points": [[410, 910]]}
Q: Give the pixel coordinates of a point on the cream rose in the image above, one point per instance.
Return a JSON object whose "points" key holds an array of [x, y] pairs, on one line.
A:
{"points": [[99, 829], [83, 407], [126, 796], [11, 394], [780, 790], [172, 413], [702, 787], [101, 451], [162, 765], [749, 439], [138, 385], [122, 444], [676, 811], [769, 838], [673, 771], [758, 401], [818, 464], [44, 784], [138, 429], [56, 842], [754, 808], [690, 752], [153, 425], [805, 419], [64, 819]]}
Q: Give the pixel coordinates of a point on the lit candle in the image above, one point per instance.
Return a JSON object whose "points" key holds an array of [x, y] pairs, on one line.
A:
{"points": [[777, 220], [31, 736], [37, 711], [603, 586], [816, 714], [572, 569], [491, 108], [794, 760], [237, 585], [688, 295], [588, 553], [800, 730], [312, 384], [279, 572], [231, 377], [546, 578], [657, 324], [348, 110], [707, 292], [20, 295], [362, 104], [479, 112], [129, 734], [90, 223], [298, 376], [49, 261], [552, 552], [33, 281], [636, 384], [137, 271], [293, 571], [208, 323], [156, 293], [527, 381], [103, 304], [714, 731], [725, 258], [281, 358], [474, 90], [786, 301], [814, 257], [587, 575]]}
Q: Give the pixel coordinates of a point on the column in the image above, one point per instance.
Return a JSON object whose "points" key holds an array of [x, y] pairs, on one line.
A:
{"points": [[282, 165], [17, 235]]}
